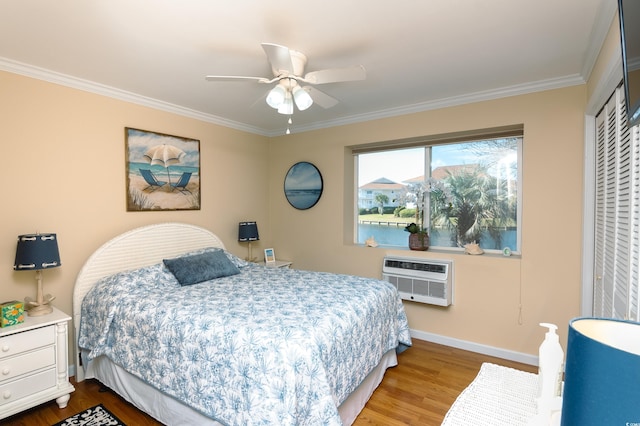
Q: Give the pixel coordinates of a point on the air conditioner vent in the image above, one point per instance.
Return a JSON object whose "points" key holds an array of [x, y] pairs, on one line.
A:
{"points": [[416, 266], [421, 280]]}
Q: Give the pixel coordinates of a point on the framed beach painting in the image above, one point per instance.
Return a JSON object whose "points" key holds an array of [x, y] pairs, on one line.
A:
{"points": [[303, 185], [163, 171]]}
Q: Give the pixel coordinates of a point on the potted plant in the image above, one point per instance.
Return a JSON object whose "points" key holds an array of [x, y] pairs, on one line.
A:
{"points": [[418, 237]]}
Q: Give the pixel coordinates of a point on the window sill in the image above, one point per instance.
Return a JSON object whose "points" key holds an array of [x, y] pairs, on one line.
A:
{"points": [[443, 250]]}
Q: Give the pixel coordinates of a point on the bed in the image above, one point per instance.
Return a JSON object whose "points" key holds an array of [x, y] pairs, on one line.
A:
{"points": [[257, 346]]}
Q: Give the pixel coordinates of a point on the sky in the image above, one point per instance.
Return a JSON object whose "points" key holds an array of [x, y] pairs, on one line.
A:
{"points": [[303, 175], [140, 141], [403, 164], [395, 165]]}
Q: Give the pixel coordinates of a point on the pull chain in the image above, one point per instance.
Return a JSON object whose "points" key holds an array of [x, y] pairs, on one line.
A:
{"points": [[289, 122]]}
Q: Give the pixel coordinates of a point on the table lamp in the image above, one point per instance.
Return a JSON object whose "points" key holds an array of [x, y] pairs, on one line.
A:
{"points": [[37, 252], [602, 373], [248, 232]]}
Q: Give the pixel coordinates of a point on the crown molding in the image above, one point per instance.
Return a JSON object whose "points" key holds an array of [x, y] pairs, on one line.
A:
{"points": [[100, 89], [504, 92], [123, 95]]}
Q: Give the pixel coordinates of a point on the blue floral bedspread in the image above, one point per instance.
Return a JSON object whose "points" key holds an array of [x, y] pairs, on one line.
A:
{"points": [[268, 346]]}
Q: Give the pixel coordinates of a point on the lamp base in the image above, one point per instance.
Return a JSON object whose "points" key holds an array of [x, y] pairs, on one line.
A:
{"points": [[250, 257], [35, 309]]}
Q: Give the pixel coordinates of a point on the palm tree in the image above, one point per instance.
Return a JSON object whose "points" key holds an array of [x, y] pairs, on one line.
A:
{"points": [[381, 199], [474, 201]]}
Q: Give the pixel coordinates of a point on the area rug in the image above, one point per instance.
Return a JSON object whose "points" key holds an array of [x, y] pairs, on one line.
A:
{"points": [[94, 416], [498, 396]]}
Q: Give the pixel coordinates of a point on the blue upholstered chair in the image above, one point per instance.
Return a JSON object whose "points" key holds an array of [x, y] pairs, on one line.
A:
{"points": [[154, 183], [181, 185]]}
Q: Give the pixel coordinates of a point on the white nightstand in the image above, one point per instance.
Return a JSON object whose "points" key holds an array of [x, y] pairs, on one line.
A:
{"points": [[279, 264], [33, 363]]}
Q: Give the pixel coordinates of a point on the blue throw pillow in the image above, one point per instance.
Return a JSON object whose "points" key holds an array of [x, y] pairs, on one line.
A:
{"points": [[240, 263], [201, 267]]}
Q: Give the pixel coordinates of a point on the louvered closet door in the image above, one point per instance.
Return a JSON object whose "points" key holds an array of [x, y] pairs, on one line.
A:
{"points": [[617, 213], [634, 239]]}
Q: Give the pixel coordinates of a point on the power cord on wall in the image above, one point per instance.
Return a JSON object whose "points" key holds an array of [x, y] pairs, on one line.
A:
{"points": [[520, 316]]}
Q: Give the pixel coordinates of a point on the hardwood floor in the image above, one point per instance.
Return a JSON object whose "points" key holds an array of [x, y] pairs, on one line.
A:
{"points": [[419, 391]]}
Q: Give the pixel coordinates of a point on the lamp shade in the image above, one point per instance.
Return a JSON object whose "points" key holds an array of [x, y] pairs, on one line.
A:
{"points": [[37, 251], [602, 373], [302, 98], [248, 231], [275, 98], [286, 107]]}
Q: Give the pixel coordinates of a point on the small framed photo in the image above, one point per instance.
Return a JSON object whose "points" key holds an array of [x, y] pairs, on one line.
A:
{"points": [[269, 255]]}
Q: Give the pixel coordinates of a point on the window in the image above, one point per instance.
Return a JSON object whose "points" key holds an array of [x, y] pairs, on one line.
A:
{"points": [[461, 191]]}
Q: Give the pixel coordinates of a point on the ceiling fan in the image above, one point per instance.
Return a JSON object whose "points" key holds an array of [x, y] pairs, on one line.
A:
{"points": [[292, 86]]}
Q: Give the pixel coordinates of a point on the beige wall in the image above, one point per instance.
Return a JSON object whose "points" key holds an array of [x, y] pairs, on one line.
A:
{"points": [[63, 171], [546, 279]]}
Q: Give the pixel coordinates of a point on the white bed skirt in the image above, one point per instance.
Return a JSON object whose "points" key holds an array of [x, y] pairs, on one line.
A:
{"points": [[172, 412]]}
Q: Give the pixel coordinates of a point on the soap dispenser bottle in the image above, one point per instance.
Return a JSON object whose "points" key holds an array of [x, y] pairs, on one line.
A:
{"points": [[551, 360]]}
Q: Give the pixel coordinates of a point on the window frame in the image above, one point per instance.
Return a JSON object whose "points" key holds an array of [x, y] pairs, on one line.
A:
{"points": [[428, 142]]}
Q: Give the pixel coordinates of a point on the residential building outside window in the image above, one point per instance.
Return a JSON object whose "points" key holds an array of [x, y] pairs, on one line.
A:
{"points": [[461, 191]]}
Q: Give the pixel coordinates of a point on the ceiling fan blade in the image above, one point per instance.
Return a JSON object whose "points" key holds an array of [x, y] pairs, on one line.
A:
{"points": [[336, 75], [260, 100], [279, 58], [320, 98], [237, 78]]}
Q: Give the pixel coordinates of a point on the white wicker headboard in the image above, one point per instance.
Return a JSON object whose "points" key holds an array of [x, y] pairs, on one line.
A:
{"points": [[134, 249]]}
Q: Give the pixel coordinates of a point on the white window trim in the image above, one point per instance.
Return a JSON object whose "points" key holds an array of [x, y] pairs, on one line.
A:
{"points": [[461, 137]]}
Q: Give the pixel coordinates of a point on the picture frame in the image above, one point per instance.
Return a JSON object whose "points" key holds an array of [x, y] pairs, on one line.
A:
{"points": [[303, 185], [162, 171], [269, 255]]}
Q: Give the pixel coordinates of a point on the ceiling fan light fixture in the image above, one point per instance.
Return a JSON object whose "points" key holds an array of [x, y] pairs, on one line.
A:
{"points": [[286, 107], [276, 97], [288, 69], [302, 98]]}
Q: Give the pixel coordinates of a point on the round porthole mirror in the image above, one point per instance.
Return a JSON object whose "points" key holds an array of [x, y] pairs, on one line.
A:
{"points": [[303, 185]]}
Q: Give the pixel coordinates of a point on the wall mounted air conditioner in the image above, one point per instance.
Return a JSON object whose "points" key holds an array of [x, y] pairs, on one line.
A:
{"points": [[420, 280]]}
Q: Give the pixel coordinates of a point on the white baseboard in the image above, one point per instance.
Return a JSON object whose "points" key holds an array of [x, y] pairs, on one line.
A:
{"points": [[476, 347]]}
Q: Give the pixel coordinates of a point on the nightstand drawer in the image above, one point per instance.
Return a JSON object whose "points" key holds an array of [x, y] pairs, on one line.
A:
{"points": [[33, 363], [14, 344], [30, 361], [29, 385]]}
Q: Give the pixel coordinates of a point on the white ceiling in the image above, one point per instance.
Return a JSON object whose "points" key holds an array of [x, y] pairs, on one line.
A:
{"points": [[419, 54]]}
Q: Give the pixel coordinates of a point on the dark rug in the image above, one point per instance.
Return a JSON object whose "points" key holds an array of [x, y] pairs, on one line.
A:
{"points": [[94, 416]]}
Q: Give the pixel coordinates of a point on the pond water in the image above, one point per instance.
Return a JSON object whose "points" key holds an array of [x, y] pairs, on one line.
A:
{"points": [[397, 236]]}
